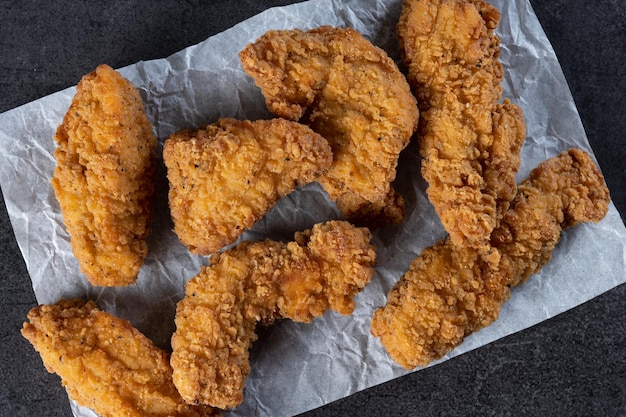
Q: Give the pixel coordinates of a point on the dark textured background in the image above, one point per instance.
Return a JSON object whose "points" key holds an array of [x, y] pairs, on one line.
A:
{"points": [[571, 365]]}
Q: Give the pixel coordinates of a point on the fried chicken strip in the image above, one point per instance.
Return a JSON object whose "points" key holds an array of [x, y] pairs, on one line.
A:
{"points": [[226, 176], [451, 291], [470, 143], [104, 179], [353, 94], [106, 364], [325, 267]]}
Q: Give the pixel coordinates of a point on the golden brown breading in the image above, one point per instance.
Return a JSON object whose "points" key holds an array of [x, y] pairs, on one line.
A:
{"points": [[469, 143], [350, 92], [227, 175], [373, 214], [106, 364], [451, 291], [104, 179], [324, 267]]}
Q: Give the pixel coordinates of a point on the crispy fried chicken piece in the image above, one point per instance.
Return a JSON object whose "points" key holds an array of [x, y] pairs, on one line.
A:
{"points": [[259, 282], [451, 291], [104, 179], [106, 364], [353, 94], [470, 143], [226, 176]]}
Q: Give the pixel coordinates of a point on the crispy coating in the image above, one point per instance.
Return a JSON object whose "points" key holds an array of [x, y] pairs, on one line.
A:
{"points": [[104, 179], [259, 282], [470, 143], [106, 364], [451, 291], [226, 176], [354, 95]]}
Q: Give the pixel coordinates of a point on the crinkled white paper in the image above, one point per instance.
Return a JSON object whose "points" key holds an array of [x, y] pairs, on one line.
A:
{"points": [[298, 367]]}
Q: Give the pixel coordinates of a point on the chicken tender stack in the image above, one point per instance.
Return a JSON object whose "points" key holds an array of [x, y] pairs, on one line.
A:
{"points": [[106, 364], [259, 282], [452, 291], [351, 93], [470, 143], [104, 179], [226, 176]]}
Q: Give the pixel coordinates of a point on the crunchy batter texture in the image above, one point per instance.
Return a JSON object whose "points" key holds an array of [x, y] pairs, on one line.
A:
{"points": [[451, 291], [353, 94], [259, 282], [106, 364], [104, 179], [470, 143], [226, 176]]}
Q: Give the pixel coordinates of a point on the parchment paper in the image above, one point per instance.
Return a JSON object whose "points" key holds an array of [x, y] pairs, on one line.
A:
{"points": [[297, 367]]}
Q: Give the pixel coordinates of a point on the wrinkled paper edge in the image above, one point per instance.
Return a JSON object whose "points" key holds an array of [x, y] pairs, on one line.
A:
{"points": [[298, 367]]}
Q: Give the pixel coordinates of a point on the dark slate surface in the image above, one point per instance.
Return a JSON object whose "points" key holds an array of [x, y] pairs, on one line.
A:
{"points": [[571, 365]]}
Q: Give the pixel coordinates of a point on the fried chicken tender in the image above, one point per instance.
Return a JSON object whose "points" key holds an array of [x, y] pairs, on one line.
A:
{"points": [[354, 95], [104, 179], [470, 143], [106, 364], [226, 176], [452, 291], [259, 282]]}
